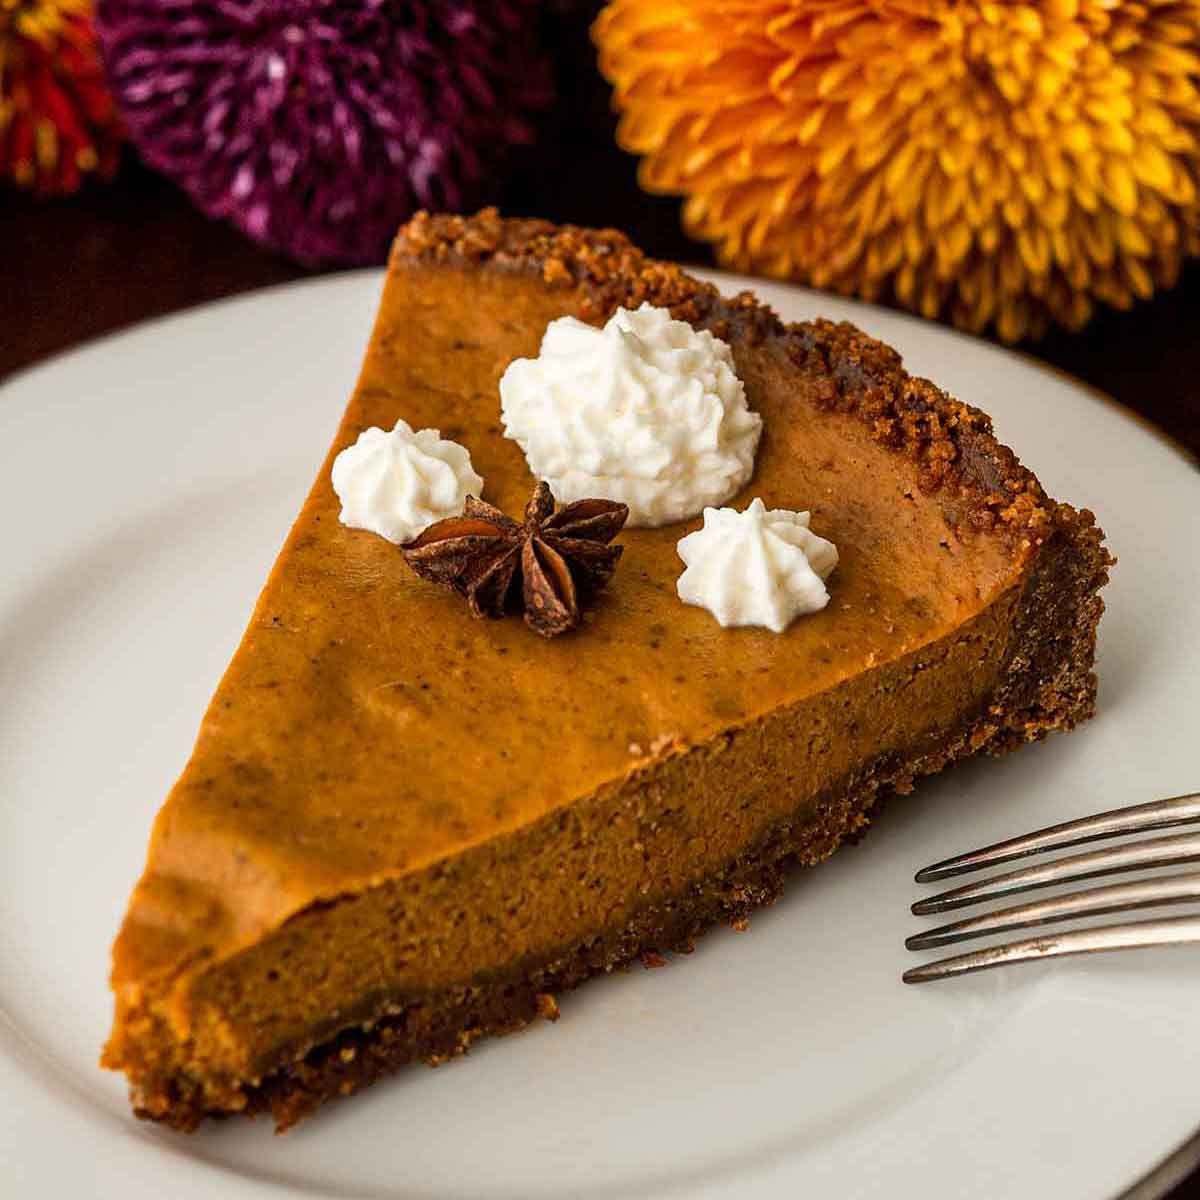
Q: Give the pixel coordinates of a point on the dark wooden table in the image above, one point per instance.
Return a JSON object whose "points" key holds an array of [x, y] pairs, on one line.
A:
{"points": [[73, 269]]}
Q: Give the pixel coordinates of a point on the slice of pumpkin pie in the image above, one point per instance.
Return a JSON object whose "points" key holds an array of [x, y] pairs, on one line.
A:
{"points": [[405, 825]]}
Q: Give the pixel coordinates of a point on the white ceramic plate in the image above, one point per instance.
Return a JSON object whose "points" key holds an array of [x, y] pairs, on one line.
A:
{"points": [[146, 483]]}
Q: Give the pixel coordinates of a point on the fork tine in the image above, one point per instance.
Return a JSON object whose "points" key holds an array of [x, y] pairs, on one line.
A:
{"points": [[1170, 931], [1137, 818], [1094, 902], [1153, 852]]}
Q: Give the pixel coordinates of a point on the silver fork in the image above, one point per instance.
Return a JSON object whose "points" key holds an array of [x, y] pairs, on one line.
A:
{"points": [[1168, 851]]}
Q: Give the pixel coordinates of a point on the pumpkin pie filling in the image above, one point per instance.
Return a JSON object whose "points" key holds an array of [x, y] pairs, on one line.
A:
{"points": [[402, 828]]}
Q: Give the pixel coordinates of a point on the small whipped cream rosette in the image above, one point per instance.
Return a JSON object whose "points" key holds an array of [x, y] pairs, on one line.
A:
{"points": [[398, 483], [756, 567], [646, 411]]}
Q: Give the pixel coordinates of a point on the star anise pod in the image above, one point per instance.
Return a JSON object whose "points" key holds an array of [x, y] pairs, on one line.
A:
{"points": [[552, 558]]}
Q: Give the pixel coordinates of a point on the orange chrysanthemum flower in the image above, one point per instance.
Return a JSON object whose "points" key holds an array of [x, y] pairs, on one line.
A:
{"points": [[57, 120], [994, 163]]}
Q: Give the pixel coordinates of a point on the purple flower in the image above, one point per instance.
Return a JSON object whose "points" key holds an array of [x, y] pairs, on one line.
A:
{"points": [[317, 126]]}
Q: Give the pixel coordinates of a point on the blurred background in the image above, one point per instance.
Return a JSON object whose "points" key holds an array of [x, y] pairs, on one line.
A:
{"points": [[1032, 177]]}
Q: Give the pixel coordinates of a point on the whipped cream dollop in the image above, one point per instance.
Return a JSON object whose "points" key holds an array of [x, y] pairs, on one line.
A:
{"points": [[398, 483], [756, 567], [646, 411]]}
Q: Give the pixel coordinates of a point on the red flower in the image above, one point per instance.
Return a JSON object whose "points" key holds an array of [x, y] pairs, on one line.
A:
{"points": [[58, 123]]}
